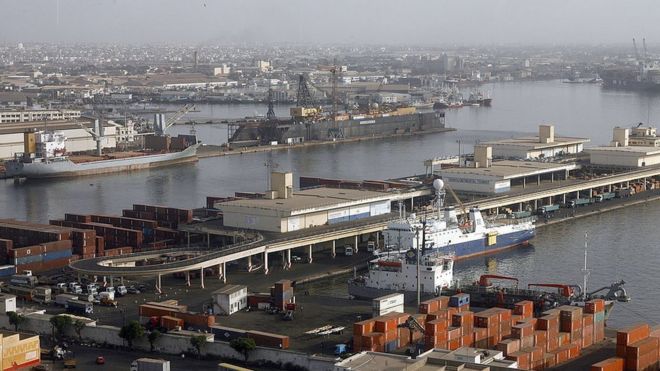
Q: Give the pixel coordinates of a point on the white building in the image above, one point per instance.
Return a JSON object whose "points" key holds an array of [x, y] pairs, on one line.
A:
{"points": [[546, 145], [12, 116], [492, 177], [283, 210], [7, 303], [229, 299], [629, 148], [222, 70]]}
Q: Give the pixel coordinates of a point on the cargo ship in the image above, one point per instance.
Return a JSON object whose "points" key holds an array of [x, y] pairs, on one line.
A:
{"points": [[310, 124], [444, 234], [45, 157], [389, 274], [644, 74]]}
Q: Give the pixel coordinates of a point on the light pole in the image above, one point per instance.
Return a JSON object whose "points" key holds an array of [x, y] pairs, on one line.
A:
{"points": [[419, 293], [459, 153]]}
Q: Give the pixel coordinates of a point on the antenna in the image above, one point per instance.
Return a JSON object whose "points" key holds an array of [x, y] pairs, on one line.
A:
{"points": [[585, 271]]}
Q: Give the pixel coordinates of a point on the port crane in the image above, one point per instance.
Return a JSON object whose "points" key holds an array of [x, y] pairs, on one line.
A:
{"points": [[160, 130], [412, 325], [97, 134]]}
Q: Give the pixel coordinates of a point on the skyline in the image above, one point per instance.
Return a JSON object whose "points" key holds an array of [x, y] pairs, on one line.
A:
{"points": [[416, 22]]}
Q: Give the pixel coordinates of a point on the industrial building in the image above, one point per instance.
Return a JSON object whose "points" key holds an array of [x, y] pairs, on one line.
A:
{"points": [[545, 145], [78, 139], [630, 148], [229, 299], [283, 210], [13, 116], [19, 350], [464, 358], [486, 177]]}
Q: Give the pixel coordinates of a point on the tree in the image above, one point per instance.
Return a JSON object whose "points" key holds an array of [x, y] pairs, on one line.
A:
{"points": [[243, 346], [198, 342], [78, 326], [153, 336], [131, 332], [16, 319], [59, 324]]}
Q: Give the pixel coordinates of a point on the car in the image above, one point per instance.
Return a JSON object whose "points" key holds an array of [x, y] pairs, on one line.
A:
{"points": [[100, 360], [296, 258], [133, 290]]}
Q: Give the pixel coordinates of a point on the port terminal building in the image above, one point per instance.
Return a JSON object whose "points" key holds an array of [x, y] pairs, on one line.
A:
{"points": [[488, 177], [285, 210], [630, 148], [545, 145]]}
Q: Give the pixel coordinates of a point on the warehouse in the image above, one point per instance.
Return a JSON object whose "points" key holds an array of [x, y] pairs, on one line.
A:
{"points": [[486, 177], [545, 145], [78, 139], [229, 299], [624, 157], [283, 210]]}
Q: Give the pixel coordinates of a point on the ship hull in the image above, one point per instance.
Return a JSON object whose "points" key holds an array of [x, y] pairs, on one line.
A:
{"points": [[290, 132], [479, 246], [67, 168], [362, 292]]}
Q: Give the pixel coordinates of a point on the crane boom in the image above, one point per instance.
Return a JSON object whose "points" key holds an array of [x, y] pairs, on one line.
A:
{"points": [[178, 115]]}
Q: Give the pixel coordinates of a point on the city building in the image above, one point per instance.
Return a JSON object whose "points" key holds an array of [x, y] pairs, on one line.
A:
{"points": [[641, 136], [283, 210], [229, 299], [13, 116], [222, 70], [545, 145], [464, 358], [263, 66]]}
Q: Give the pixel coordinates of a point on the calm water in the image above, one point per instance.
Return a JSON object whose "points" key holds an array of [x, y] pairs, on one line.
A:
{"points": [[624, 243]]}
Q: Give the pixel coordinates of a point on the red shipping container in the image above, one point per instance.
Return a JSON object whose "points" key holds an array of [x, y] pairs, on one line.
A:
{"points": [[523, 359], [522, 330], [508, 346], [594, 306], [524, 308], [630, 335], [610, 364]]}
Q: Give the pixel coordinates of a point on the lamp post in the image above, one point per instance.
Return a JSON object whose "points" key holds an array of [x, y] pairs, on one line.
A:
{"points": [[419, 293]]}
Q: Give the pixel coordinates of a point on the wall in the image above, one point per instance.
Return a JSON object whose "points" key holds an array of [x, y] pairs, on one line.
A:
{"points": [[259, 222], [176, 344]]}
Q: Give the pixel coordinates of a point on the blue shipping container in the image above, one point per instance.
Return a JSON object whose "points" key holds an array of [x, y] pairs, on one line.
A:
{"points": [[390, 347], [459, 300], [7, 270], [27, 260], [54, 255]]}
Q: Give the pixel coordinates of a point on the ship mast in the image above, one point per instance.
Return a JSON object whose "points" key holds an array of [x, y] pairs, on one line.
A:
{"points": [[585, 271]]}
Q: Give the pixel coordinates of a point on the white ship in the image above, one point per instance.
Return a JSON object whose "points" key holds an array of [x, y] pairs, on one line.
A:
{"points": [[398, 274], [49, 160], [443, 233]]}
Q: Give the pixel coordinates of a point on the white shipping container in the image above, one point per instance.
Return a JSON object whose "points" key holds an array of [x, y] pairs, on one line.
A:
{"points": [[382, 312], [387, 301]]}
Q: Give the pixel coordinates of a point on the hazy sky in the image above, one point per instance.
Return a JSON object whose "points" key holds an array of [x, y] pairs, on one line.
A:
{"points": [[336, 21]]}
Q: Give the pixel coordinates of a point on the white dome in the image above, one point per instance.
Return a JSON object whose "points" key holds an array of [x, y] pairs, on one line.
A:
{"points": [[438, 184]]}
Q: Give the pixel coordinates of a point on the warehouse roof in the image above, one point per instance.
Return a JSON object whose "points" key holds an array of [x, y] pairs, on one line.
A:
{"points": [[627, 150], [534, 142], [313, 198], [229, 289], [510, 169]]}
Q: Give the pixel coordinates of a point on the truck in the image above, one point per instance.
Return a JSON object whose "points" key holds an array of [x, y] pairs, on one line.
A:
{"points": [[150, 364], [42, 294], [79, 307], [521, 214], [605, 196], [121, 290], [547, 209], [108, 302], [91, 288], [624, 192], [107, 295], [23, 280], [61, 299], [371, 246], [579, 202]]}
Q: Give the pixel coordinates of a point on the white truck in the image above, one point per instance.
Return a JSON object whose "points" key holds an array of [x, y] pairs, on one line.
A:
{"points": [[61, 299], [121, 290], [150, 364]]}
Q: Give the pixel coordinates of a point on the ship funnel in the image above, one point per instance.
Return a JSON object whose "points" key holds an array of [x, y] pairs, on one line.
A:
{"points": [[450, 216], [476, 220]]}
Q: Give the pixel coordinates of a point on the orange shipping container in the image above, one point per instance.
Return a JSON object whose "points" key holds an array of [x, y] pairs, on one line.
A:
{"points": [[508, 346], [524, 308], [363, 327], [642, 347], [610, 364], [632, 334]]}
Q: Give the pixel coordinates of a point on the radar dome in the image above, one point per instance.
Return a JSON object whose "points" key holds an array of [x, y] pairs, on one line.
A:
{"points": [[438, 184]]}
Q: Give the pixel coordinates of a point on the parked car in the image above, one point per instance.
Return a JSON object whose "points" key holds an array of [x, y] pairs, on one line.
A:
{"points": [[100, 360]]}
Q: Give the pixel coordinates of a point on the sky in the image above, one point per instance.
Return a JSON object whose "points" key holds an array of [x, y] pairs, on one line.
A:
{"points": [[405, 22]]}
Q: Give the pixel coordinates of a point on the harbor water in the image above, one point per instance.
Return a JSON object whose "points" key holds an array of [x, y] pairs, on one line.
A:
{"points": [[623, 243]]}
